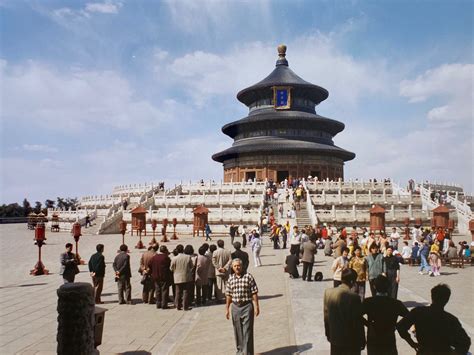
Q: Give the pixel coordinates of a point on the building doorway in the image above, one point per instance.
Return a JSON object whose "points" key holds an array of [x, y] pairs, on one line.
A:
{"points": [[250, 175], [316, 174], [282, 175]]}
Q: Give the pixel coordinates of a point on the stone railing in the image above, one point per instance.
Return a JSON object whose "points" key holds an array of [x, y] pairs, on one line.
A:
{"points": [[356, 214], [72, 216], [223, 186], [369, 198], [135, 189], [102, 200], [464, 213], [347, 185], [215, 214], [437, 186], [310, 207], [215, 199], [427, 203]]}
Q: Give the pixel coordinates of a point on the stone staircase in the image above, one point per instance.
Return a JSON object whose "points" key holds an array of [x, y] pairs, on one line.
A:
{"points": [[302, 216]]}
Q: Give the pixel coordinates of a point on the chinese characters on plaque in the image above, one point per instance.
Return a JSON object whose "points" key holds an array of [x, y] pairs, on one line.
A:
{"points": [[281, 97]]}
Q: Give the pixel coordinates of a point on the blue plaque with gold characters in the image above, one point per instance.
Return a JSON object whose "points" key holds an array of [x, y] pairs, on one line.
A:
{"points": [[282, 97]]}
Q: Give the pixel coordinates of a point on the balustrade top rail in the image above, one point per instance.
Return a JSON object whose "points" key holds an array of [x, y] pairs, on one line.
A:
{"points": [[324, 185]]}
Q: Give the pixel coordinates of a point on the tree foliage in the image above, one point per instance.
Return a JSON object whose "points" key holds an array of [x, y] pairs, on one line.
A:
{"points": [[16, 210]]}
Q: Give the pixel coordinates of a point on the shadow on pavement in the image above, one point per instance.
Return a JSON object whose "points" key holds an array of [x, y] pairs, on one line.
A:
{"points": [[266, 297], [292, 349], [140, 352]]}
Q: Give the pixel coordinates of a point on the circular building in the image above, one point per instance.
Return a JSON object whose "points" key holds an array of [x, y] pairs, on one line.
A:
{"points": [[282, 136]]}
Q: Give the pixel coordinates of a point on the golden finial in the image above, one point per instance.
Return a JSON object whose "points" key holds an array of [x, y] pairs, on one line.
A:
{"points": [[282, 51]]}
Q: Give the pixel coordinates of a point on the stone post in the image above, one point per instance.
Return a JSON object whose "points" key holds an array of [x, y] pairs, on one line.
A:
{"points": [[370, 196], [75, 319], [355, 196], [339, 196]]}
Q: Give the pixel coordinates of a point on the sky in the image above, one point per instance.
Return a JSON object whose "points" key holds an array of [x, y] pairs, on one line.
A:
{"points": [[98, 94]]}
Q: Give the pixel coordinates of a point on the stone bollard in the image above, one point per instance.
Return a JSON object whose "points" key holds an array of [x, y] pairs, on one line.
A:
{"points": [[75, 319]]}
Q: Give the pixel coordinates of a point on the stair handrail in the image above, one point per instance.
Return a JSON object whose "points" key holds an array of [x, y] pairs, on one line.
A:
{"points": [[309, 206], [426, 202]]}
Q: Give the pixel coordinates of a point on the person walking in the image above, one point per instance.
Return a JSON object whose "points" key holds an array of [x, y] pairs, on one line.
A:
{"points": [[221, 259], [97, 270], [359, 265], [242, 305], [424, 252], [123, 274], [232, 232], [343, 322], [309, 249], [160, 271], [382, 313], [181, 266], [392, 269], [208, 232], [256, 244], [69, 267], [437, 331], [375, 266], [243, 234]]}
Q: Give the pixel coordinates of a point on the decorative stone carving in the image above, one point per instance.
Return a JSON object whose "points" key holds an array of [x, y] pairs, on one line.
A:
{"points": [[75, 319]]}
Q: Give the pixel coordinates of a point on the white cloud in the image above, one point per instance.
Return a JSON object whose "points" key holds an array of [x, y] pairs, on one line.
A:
{"points": [[423, 154], [315, 58], [205, 17], [451, 86], [39, 148], [77, 98], [104, 8]]}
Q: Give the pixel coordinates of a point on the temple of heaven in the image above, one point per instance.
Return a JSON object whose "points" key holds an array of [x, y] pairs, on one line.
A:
{"points": [[282, 136]]}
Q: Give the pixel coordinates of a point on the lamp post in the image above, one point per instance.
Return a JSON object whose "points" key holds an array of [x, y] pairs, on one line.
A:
{"points": [[40, 237], [76, 233], [140, 228], [175, 223], [163, 230], [154, 223], [123, 229]]}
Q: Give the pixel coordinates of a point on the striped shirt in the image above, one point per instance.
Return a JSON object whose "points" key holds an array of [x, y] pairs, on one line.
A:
{"points": [[241, 288]]}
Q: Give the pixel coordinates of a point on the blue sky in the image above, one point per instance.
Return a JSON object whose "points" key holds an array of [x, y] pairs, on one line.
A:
{"points": [[95, 94]]}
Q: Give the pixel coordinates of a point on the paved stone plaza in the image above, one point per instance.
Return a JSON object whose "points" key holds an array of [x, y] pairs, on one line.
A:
{"points": [[291, 319]]}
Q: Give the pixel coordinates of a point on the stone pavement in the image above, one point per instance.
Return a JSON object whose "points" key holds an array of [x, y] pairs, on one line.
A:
{"points": [[291, 310]]}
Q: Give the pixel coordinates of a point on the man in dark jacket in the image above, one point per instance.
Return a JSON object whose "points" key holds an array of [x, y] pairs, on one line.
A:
{"points": [[159, 266], [291, 263], [242, 255], [343, 317], [69, 267], [382, 312], [437, 331], [97, 270], [123, 274]]}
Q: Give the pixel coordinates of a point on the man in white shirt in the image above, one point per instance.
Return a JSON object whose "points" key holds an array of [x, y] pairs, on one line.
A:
{"points": [[394, 238], [295, 240], [416, 234]]}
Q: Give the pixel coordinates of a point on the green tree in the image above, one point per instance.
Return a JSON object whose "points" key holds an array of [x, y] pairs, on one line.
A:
{"points": [[26, 207], [49, 204], [37, 208]]}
